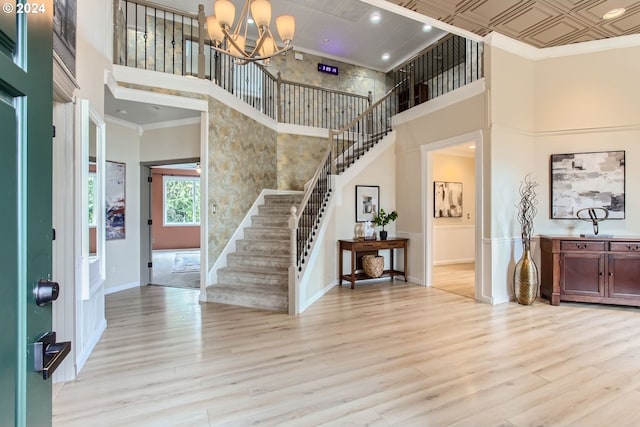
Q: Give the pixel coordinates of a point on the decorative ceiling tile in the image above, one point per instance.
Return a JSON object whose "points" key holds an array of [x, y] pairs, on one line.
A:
{"points": [[585, 36], [549, 35], [541, 23], [532, 17], [626, 24], [488, 12]]}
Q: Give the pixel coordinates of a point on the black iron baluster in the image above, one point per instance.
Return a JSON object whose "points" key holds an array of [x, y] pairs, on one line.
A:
{"points": [[146, 37], [155, 39]]}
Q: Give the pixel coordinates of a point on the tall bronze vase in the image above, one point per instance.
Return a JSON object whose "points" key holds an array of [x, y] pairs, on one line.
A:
{"points": [[525, 279]]}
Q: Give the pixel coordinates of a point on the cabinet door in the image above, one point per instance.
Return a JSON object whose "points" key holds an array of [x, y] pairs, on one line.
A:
{"points": [[624, 276], [582, 274]]}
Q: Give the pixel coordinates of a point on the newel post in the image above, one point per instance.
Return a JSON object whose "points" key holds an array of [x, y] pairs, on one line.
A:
{"points": [[293, 285], [202, 19], [279, 97]]}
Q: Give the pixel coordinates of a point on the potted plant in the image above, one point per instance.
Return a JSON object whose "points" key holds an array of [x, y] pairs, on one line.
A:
{"points": [[382, 219]]}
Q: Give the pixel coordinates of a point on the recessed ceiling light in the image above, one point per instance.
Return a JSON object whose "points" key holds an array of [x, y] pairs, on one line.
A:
{"points": [[426, 28], [375, 17], [614, 13], [385, 56], [327, 40]]}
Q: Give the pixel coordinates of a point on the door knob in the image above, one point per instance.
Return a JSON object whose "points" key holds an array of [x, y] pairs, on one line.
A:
{"points": [[46, 292]]}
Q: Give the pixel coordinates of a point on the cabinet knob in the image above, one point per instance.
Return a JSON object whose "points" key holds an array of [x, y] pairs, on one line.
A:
{"points": [[610, 273]]}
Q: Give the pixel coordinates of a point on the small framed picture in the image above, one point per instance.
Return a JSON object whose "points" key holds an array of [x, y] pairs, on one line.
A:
{"points": [[367, 202], [447, 199]]}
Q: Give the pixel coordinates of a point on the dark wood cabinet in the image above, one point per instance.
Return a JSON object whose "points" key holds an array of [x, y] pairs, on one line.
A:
{"points": [[605, 271]]}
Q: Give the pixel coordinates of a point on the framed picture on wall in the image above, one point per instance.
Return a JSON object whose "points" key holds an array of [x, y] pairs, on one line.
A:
{"points": [[587, 180], [114, 194], [447, 199], [367, 202]]}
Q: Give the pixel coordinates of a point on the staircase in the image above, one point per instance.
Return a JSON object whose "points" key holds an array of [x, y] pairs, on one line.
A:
{"points": [[356, 149], [257, 273]]}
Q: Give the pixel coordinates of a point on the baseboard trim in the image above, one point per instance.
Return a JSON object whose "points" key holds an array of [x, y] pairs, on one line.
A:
{"points": [[91, 344], [322, 292], [454, 261], [120, 288]]}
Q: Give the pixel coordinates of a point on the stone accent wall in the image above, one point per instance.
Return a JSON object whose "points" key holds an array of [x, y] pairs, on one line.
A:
{"points": [[298, 159], [157, 43], [352, 78], [242, 162]]}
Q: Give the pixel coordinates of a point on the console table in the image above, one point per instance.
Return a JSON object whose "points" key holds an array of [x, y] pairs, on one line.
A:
{"points": [[596, 270], [374, 246]]}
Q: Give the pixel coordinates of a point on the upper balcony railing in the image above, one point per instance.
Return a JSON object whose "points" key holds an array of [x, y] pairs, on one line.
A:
{"points": [[447, 65], [158, 38]]}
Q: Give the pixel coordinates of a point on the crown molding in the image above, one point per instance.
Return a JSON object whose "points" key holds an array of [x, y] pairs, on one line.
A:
{"points": [[529, 52], [124, 123]]}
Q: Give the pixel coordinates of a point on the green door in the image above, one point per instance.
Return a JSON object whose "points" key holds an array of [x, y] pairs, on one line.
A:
{"points": [[25, 213]]}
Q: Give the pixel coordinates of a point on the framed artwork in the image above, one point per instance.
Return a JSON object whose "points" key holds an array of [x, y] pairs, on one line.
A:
{"points": [[64, 32], [367, 202], [587, 180], [447, 199], [114, 194]]}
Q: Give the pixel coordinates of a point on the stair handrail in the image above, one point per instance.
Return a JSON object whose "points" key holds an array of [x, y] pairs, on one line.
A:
{"points": [[301, 208], [326, 167], [366, 112]]}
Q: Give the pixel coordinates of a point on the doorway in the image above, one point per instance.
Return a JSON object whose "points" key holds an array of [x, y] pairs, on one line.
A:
{"points": [[453, 215], [172, 253], [454, 219]]}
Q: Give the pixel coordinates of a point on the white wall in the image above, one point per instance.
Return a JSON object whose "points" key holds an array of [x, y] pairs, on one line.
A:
{"points": [[586, 103], [180, 142], [377, 167], [382, 172], [82, 321], [123, 255], [448, 233]]}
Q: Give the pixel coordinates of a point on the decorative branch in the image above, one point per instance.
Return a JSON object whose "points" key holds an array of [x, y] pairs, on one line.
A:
{"points": [[527, 208]]}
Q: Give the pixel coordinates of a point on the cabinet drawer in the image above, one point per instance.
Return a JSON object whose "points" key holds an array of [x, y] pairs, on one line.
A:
{"points": [[367, 246], [624, 246], [582, 245], [395, 244]]}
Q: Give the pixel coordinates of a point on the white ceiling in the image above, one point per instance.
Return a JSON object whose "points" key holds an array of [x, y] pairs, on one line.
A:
{"points": [[142, 114], [345, 24]]}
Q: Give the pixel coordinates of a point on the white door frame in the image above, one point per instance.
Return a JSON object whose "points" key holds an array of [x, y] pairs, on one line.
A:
{"points": [[427, 150]]}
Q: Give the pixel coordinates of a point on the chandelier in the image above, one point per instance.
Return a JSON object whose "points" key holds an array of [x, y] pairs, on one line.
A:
{"points": [[231, 39]]}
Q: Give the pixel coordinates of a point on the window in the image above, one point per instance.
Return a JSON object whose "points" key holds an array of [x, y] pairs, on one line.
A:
{"points": [[92, 198], [181, 200]]}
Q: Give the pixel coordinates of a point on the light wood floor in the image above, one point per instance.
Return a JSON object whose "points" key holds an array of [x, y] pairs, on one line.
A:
{"points": [[381, 354], [456, 278]]}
